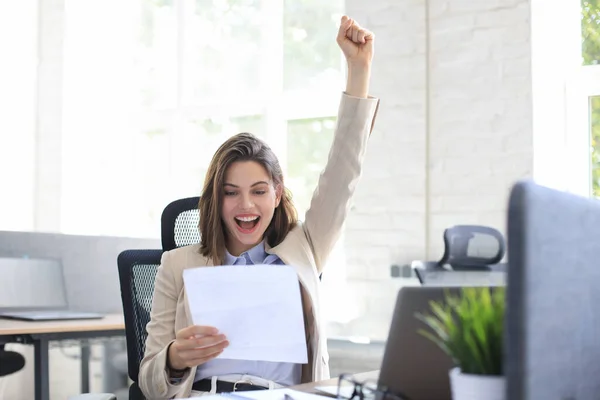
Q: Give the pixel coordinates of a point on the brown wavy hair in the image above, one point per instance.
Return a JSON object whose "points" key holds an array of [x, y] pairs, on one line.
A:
{"points": [[241, 147]]}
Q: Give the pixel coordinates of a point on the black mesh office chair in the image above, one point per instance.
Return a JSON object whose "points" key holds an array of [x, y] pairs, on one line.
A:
{"points": [[472, 248], [137, 271], [469, 247], [179, 223]]}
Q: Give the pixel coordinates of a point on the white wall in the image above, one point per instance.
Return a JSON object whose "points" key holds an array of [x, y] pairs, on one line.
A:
{"points": [[454, 131]]}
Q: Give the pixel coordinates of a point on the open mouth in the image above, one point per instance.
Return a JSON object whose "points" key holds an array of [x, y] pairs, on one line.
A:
{"points": [[247, 223]]}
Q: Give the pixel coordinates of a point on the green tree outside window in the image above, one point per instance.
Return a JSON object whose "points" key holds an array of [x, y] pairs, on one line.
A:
{"points": [[590, 30]]}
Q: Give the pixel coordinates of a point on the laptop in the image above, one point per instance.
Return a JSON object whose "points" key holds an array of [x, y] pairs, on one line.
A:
{"points": [[34, 290], [413, 365], [553, 295]]}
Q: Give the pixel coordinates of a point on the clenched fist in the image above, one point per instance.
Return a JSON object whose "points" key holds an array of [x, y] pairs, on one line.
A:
{"points": [[356, 43]]}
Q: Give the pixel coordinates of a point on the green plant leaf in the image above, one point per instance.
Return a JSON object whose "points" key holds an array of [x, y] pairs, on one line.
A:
{"points": [[469, 328]]}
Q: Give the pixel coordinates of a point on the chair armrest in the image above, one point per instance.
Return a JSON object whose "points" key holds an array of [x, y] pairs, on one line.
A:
{"points": [[94, 396]]}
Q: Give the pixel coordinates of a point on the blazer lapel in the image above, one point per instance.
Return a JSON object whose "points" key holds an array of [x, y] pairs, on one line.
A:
{"points": [[294, 259]]}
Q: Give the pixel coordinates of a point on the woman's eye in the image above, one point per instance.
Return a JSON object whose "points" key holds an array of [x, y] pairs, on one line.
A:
{"points": [[260, 192], [229, 193]]}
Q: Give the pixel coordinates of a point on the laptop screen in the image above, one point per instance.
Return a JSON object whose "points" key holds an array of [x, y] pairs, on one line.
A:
{"points": [[27, 283]]}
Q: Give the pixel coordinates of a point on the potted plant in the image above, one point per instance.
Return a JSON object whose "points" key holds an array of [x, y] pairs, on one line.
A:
{"points": [[468, 326]]}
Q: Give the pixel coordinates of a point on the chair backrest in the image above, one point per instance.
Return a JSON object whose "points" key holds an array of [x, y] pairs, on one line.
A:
{"points": [[179, 223], [137, 271], [552, 316], [472, 252], [472, 247]]}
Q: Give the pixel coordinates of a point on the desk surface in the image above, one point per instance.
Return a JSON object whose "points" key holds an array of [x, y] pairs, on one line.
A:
{"points": [[310, 387], [16, 327]]}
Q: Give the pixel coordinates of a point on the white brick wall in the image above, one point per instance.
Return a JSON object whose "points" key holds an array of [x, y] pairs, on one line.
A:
{"points": [[481, 99], [454, 131]]}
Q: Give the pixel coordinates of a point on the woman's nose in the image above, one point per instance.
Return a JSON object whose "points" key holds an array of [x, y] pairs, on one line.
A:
{"points": [[246, 202]]}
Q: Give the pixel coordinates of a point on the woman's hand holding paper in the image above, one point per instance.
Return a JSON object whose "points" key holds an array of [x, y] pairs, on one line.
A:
{"points": [[195, 345]]}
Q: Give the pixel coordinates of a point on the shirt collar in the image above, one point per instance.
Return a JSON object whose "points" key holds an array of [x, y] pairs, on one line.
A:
{"points": [[257, 254]]}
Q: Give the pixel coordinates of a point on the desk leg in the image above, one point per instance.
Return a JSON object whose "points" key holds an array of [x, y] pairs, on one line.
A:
{"points": [[85, 367], [42, 378]]}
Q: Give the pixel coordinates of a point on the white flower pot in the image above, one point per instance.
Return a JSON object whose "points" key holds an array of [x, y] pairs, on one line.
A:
{"points": [[476, 387]]}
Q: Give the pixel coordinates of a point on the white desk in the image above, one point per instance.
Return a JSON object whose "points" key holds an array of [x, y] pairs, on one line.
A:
{"points": [[310, 387], [39, 334]]}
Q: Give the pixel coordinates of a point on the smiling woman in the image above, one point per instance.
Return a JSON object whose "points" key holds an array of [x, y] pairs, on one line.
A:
{"points": [[247, 217], [245, 181]]}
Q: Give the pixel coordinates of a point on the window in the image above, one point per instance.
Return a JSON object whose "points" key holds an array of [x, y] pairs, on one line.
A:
{"points": [[18, 42], [309, 141], [590, 31], [591, 60], [582, 164], [148, 101], [594, 112]]}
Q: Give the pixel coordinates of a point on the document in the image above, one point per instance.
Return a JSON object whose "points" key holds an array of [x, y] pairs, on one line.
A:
{"points": [[345, 392], [257, 307], [277, 394]]}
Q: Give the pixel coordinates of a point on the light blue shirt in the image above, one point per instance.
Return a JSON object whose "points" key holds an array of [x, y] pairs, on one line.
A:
{"points": [[286, 374]]}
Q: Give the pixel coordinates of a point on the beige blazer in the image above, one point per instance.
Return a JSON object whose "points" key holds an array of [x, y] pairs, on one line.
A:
{"points": [[306, 248]]}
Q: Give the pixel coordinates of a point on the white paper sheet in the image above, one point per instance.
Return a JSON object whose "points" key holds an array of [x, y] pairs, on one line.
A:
{"points": [[279, 394], [276, 394], [345, 391], [258, 308]]}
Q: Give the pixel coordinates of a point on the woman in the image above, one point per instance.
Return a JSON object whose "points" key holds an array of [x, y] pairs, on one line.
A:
{"points": [[247, 217]]}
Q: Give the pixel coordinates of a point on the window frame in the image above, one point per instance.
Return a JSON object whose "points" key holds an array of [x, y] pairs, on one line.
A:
{"points": [[583, 84]]}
